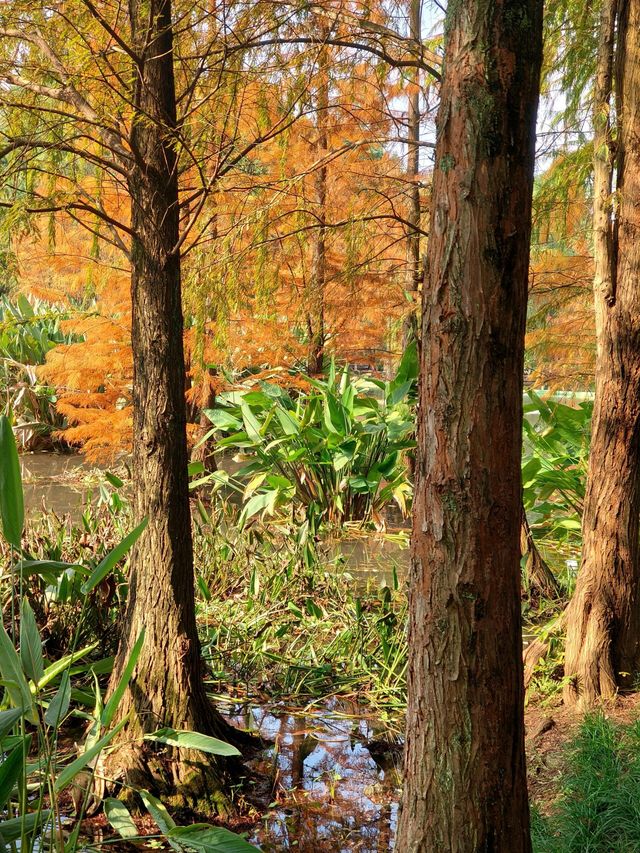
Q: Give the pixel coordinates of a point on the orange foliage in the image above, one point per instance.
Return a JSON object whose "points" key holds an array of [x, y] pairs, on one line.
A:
{"points": [[561, 331]]}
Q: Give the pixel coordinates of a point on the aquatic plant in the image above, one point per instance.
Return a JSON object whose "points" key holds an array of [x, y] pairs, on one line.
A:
{"points": [[41, 697], [336, 451]]}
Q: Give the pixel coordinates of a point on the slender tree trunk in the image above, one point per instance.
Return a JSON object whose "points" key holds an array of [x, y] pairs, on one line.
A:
{"points": [[603, 618], [167, 687], [317, 285], [410, 322], [204, 449], [539, 574], [465, 782]]}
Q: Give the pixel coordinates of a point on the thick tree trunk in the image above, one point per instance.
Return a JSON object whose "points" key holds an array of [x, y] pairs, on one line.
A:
{"points": [[603, 618], [318, 279], [410, 321], [167, 686], [465, 782]]}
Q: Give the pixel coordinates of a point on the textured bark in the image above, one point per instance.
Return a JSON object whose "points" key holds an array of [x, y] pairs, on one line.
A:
{"points": [[414, 274], [167, 687], [465, 783], [204, 448], [539, 575], [603, 618], [318, 278]]}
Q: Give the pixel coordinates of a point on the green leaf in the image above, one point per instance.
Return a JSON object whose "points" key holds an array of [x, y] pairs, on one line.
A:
{"points": [[250, 423], [59, 705], [11, 830], [49, 570], [30, 644], [210, 839], [223, 420], [288, 422], [115, 481], [118, 693], [8, 719], [118, 816], [57, 667], [193, 740], [111, 560], [13, 677], [399, 392], [166, 824], [11, 496], [11, 769], [71, 770]]}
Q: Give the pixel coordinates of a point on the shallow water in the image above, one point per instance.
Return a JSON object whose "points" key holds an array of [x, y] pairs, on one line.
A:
{"points": [[329, 793], [51, 481]]}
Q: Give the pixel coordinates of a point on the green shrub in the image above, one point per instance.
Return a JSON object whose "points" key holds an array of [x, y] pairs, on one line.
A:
{"points": [[337, 451]]}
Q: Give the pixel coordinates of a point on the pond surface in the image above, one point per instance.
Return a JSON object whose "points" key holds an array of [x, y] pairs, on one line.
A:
{"points": [[53, 481], [63, 483], [329, 792]]}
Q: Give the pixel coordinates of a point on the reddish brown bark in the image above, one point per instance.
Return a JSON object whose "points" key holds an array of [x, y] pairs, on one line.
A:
{"points": [[465, 782], [318, 279], [414, 273], [603, 618], [167, 687]]}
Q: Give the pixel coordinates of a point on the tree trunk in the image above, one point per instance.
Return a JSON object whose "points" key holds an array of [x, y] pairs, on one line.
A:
{"points": [[204, 448], [167, 687], [410, 321], [603, 618], [465, 782], [317, 285], [539, 575]]}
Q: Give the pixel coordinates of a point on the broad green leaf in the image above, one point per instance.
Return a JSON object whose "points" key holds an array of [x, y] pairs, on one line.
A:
{"points": [[59, 666], [8, 719], [193, 740], [11, 496], [250, 423], [399, 392], [210, 839], [112, 559], [223, 420], [11, 769], [11, 830], [166, 824], [115, 481], [59, 705], [49, 570], [288, 421], [30, 644], [71, 770], [118, 693], [118, 816], [13, 677]]}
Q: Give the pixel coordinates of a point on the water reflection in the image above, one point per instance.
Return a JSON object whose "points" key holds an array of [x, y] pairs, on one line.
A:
{"points": [[50, 482], [329, 793]]}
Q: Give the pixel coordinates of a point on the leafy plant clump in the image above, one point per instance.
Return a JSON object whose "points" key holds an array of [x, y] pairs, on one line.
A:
{"points": [[45, 700], [554, 468], [29, 329], [598, 810], [337, 452]]}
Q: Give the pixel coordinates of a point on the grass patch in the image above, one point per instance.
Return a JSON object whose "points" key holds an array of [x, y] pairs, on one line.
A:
{"points": [[598, 808]]}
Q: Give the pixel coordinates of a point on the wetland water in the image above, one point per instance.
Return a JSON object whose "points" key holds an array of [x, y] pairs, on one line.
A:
{"points": [[334, 777], [329, 791]]}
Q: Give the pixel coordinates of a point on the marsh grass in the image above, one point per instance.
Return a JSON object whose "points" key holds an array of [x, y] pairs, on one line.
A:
{"points": [[273, 626]]}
